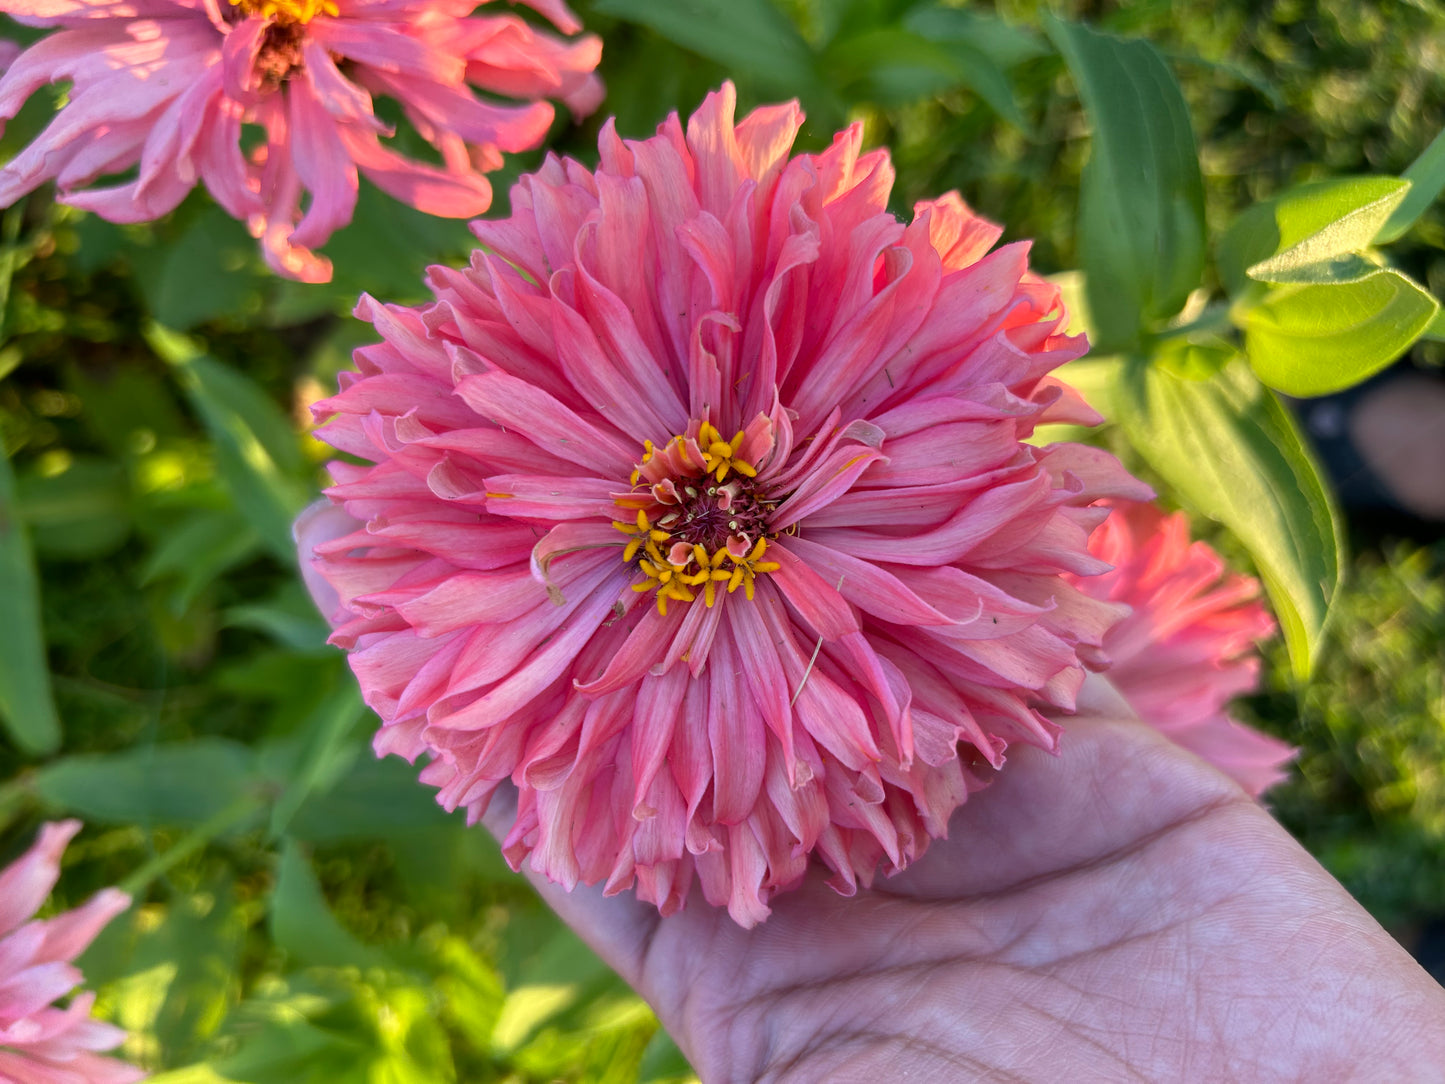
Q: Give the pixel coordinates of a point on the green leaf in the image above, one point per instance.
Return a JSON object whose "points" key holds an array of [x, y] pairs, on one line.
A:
{"points": [[257, 453], [182, 784], [1004, 44], [175, 966], [1427, 177], [26, 706], [198, 550], [1313, 340], [1233, 453], [303, 925], [1141, 229], [80, 513], [1332, 271], [376, 797], [900, 66], [1305, 225], [328, 751], [1435, 329], [750, 36], [663, 1061], [205, 274]]}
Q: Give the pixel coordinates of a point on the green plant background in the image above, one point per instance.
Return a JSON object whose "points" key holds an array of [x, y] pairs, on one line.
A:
{"points": [[306, 912]]}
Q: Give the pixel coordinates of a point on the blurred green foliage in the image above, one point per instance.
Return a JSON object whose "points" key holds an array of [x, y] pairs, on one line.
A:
{"points": [[307, 912], [1368, 796]]}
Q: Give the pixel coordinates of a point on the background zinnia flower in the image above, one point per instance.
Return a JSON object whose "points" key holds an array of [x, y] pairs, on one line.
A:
{"points": [[166, 86], [41, 1043], [697, 507], [1188, 646]]}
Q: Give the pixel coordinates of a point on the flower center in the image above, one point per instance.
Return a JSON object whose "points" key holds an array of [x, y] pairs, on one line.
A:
{"points": [[287, 12], [701, 520]]}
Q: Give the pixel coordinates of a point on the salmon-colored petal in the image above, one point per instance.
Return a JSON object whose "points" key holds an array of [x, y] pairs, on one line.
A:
{"points": [[700, 506], [1186, 647]]}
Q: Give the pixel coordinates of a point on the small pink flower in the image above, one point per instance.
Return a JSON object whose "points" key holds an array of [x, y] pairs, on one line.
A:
{"points": [[167, 85], [698, 507], [39, 1042], [1187, 648]]}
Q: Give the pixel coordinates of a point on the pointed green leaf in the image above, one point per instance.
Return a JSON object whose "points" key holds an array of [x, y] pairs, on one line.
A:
{"points": [[329, 749], [1233, 453], [1003, 43], [1306, 225], [1313, 340], [181, 784], [1435, 329], [1141, 227], [1427, 177], [257, 453], [81, 513], [742, 35], [303, 925], [1331, 271], [27, 709]]}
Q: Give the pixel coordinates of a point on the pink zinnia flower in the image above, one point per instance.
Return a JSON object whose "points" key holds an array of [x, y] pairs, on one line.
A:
{"points": [[40, 1043], [166, 85], [697, 507], [1187, 648]]}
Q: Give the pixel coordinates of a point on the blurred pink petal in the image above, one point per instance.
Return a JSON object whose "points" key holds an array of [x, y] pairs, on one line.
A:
{"points": [[699, 508], [1188, 647], [167, 84], [41, 1043]]}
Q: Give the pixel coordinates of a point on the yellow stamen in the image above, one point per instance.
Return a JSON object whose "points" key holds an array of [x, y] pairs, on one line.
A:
{"points": [[653, 547], [287, 11]]}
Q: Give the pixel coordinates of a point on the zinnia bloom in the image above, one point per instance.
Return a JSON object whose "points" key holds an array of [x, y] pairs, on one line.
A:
{"points": [[166, 86], [1187, 647], [39, 1042], [698, 507]]}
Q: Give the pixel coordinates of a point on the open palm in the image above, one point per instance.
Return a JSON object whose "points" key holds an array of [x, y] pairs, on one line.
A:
{"points": [[1118, 912]]}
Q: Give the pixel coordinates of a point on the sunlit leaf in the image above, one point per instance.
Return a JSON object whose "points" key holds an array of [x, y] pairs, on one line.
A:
{"points": [[1331, 271], [193, 942], [1427, 177], [26, 706], [1233, 453], [1313, 340], [1305, 225], [1141, 208]]}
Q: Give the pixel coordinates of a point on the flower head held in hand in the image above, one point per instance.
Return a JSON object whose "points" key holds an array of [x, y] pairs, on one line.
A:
{"points": [[41, 1043], [166, 86], [1187, 647], [697, 507]]}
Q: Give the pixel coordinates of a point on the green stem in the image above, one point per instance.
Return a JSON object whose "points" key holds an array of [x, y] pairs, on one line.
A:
{"points": [[10, 224], [234, 814]]}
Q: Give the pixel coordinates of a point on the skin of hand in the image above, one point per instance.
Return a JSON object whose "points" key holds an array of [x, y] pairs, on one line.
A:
{"points": [[1120, 911]]}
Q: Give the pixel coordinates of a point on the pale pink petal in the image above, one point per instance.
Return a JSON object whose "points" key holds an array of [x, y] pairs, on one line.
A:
{"points": [[39, 1042]]}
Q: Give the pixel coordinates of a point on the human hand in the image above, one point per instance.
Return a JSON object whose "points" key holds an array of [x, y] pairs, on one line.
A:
{"points": [[1121, 911]]}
